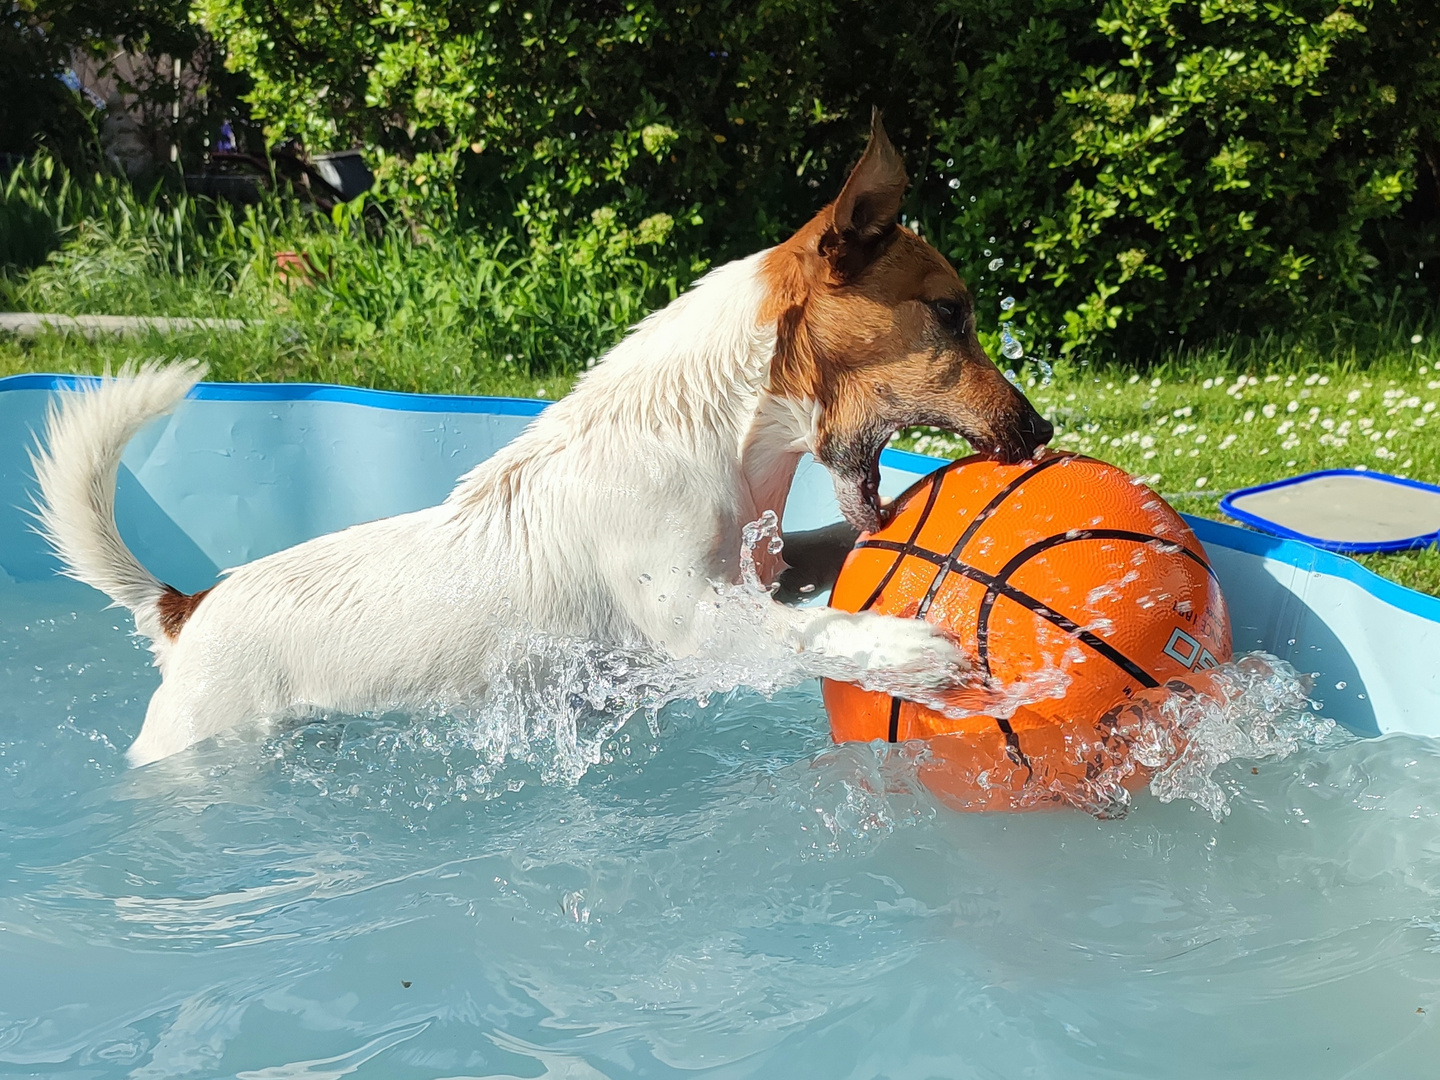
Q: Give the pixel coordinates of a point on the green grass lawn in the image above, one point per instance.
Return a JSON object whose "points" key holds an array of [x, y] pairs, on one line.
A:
{"points": [[1194, 427]]}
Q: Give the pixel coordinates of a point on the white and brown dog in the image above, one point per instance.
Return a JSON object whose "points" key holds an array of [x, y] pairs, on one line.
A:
{"points": [[691, 427]]}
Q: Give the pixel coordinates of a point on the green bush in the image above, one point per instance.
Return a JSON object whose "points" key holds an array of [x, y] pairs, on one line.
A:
{"points": [[1147, 168], [1155, 169]]}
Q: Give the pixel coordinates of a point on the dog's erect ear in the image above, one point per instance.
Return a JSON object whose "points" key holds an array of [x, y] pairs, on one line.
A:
{"points": [[864, 215]]}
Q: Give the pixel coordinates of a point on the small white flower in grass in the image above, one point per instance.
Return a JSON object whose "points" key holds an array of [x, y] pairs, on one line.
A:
{"points": [[1148, 454], [1429, 406], [1324, 380], [1208, 384], [1272, 378], [1269, 411], [1194, 453], [1201, 437], [1134, 379], [1415, 339], [1228, 441], [1312, 379], [1289, 464], [1201, 481], [1249, 416], [1294, 406], [1406, 463], [1154, 383], [1147, 441], [1352, 397]]}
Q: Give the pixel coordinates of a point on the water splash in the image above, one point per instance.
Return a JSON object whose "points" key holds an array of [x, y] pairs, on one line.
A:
{"points": [[555, 708], [1254, 708]]}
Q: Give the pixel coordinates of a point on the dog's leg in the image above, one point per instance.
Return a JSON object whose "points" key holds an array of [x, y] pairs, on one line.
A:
{"points": [[910, 648], [813, 560], [909, 653]]}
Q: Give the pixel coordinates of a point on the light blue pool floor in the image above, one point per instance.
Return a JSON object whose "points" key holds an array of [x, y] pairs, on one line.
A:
{"points": [[733, 897]]}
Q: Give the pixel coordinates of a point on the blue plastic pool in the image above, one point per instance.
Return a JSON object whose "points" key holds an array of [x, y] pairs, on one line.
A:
{"points": [[722, 892]]}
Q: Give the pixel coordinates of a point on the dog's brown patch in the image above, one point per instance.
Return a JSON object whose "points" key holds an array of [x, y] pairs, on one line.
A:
{"points": [[175, 608], [859, 303]]}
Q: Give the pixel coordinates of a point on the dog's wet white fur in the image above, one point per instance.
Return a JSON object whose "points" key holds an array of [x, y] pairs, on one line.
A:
{"points": [[657, 460]]}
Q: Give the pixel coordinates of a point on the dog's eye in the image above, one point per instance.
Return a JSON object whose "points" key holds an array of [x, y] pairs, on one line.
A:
{"points": [[951, 314]]}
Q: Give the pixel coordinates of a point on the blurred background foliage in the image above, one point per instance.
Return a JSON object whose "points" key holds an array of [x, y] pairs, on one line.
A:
{"points": [[1134, 173]]}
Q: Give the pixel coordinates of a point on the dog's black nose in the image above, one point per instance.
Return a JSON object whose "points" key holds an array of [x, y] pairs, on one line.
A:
{"points": [[1041, 431]]}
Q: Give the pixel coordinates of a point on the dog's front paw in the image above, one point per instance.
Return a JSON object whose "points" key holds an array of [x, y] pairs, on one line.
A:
{"points": [[913, 648]]}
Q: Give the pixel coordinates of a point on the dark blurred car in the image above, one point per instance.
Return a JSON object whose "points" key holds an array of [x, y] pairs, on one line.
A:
{"points": [[323, 181]]}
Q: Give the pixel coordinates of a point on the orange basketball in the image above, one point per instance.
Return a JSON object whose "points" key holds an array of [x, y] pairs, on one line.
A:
{"points": [[1071, 586]]}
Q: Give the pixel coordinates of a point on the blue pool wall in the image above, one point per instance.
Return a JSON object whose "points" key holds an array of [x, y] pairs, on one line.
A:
{"points": [[243, 470]]}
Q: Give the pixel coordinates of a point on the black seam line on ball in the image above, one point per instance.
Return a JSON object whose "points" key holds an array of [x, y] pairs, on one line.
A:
{"points": [[1025, 600], [1012, 747], [974, 526], [895, 704], [924, 516], [995, 587], [992, 592]]}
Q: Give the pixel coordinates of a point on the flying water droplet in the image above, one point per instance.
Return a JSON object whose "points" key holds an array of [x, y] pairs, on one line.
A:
{"points": [[996, 264], [1007, 303], [950, 163], [955, 186], [1009, 346], [992, 239]]}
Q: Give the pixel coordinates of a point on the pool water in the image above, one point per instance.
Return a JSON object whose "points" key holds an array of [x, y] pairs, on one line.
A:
{"points": [[721, 893]]}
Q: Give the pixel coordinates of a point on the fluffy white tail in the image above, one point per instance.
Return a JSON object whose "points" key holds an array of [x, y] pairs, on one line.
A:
{"points": [[76, 466]]}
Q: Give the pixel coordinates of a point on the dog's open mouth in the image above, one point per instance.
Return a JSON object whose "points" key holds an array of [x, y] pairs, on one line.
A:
{"points": [[857, 488], [870, 492]]}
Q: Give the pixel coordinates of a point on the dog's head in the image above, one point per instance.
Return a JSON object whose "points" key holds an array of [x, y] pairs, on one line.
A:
{"points": [[877, 330]]}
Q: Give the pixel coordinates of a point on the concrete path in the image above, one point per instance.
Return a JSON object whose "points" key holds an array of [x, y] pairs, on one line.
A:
{"points": [[29, 324]]}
